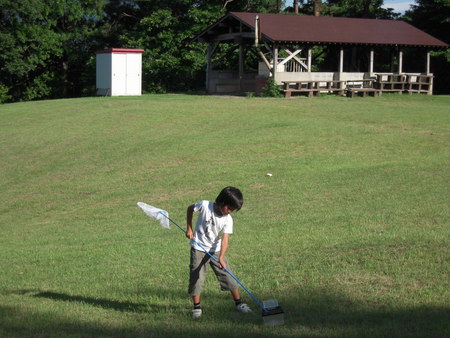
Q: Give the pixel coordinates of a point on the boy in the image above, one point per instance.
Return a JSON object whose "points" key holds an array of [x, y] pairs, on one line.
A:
{"points": [[213, 218]]}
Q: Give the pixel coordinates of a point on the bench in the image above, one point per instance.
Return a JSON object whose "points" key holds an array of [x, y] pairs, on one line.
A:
{"points": [[308, 91], [361, 87], [314, 88], [309, 88], [361, 83], [351, 92], [334, 86]]}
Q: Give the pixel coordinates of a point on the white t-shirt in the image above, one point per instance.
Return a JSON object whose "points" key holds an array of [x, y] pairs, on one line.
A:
{"points": [[209, 226]]}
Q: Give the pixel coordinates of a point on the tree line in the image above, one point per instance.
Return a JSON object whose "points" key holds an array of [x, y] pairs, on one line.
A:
{"points": [[47, 47]]}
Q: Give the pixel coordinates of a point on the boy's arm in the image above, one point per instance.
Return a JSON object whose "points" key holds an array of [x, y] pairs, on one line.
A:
{"points": [[189, 215], [223, 250]]}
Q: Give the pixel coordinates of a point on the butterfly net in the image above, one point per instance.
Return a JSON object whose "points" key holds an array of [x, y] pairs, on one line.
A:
{"points": [[160, 215]]}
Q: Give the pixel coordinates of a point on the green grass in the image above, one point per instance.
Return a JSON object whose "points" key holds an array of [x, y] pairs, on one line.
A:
{"points": [[350, 234]]}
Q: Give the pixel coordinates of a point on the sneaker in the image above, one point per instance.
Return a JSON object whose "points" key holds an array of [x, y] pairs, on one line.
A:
{"points": [[243, 308], [196, 313]]}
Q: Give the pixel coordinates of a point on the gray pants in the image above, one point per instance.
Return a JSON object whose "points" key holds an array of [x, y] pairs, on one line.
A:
{"points": [[198, 266]]}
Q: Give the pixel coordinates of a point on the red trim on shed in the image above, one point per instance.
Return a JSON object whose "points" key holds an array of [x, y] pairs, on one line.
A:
{"points": [[120, 51]]}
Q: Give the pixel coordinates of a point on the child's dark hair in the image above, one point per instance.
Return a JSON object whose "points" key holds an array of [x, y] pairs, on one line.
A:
{"points": [[232, 197]]}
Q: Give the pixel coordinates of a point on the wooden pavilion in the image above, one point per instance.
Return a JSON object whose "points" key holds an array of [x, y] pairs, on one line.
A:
{"points": [[284, 44]]}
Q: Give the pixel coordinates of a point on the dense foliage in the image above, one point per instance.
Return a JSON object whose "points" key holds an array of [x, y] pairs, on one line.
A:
{"points": [[433, 17], [44, 46], [47, 48]]}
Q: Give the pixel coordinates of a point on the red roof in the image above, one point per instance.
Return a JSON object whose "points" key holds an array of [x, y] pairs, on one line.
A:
{"points": [[332, 30], [120, 51]]}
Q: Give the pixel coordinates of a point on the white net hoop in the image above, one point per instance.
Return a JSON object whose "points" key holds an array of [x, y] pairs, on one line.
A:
{"points": [[160, 215]]}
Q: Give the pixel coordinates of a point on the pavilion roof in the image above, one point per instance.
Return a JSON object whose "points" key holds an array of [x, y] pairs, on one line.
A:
{"points": [[288, 28]]}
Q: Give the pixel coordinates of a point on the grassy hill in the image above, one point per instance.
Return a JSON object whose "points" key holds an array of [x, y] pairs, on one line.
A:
{"points": [[350, 234]]}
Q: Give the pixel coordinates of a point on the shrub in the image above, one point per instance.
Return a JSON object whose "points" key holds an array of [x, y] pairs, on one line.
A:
{"points": [[4, 94], [271, 89]]}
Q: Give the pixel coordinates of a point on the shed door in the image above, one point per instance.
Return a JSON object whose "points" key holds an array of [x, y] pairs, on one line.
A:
{"points": [[134, 85], [119, 76]]}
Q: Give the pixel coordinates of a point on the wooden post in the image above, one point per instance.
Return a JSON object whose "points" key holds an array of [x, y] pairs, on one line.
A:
{"points": [[428, 63], [209, 52], [241, 65], [341, 67], [341, 60], [400, 62], [392, 60], [371, 62], [309, 59], [275, 62]]}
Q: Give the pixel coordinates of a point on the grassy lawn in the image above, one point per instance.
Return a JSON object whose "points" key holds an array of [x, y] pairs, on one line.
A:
{"points": [[350, 234]]}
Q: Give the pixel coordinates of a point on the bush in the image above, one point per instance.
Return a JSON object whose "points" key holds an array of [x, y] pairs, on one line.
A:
{"points": [[4, 94], [271, 89]]}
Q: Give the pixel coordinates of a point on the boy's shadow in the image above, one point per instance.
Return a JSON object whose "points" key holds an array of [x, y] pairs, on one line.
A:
{"points": [[98, 302]]}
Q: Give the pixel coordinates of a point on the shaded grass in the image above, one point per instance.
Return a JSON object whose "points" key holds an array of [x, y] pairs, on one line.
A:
{"points": [[350, 233]]}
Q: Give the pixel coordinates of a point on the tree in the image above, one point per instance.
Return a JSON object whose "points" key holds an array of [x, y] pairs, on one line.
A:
{"points": [[76, 23], [164, 30], [346, 8], [358, 9], [27, 45], [317, 5], [433, 17], [44, 46]]}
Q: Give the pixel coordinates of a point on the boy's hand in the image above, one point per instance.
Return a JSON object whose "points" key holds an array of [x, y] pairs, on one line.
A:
{"points": [[189, 233], [222, 264]]}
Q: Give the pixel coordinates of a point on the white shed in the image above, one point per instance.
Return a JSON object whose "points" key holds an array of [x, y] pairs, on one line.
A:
{"points": [[119, 72]]}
